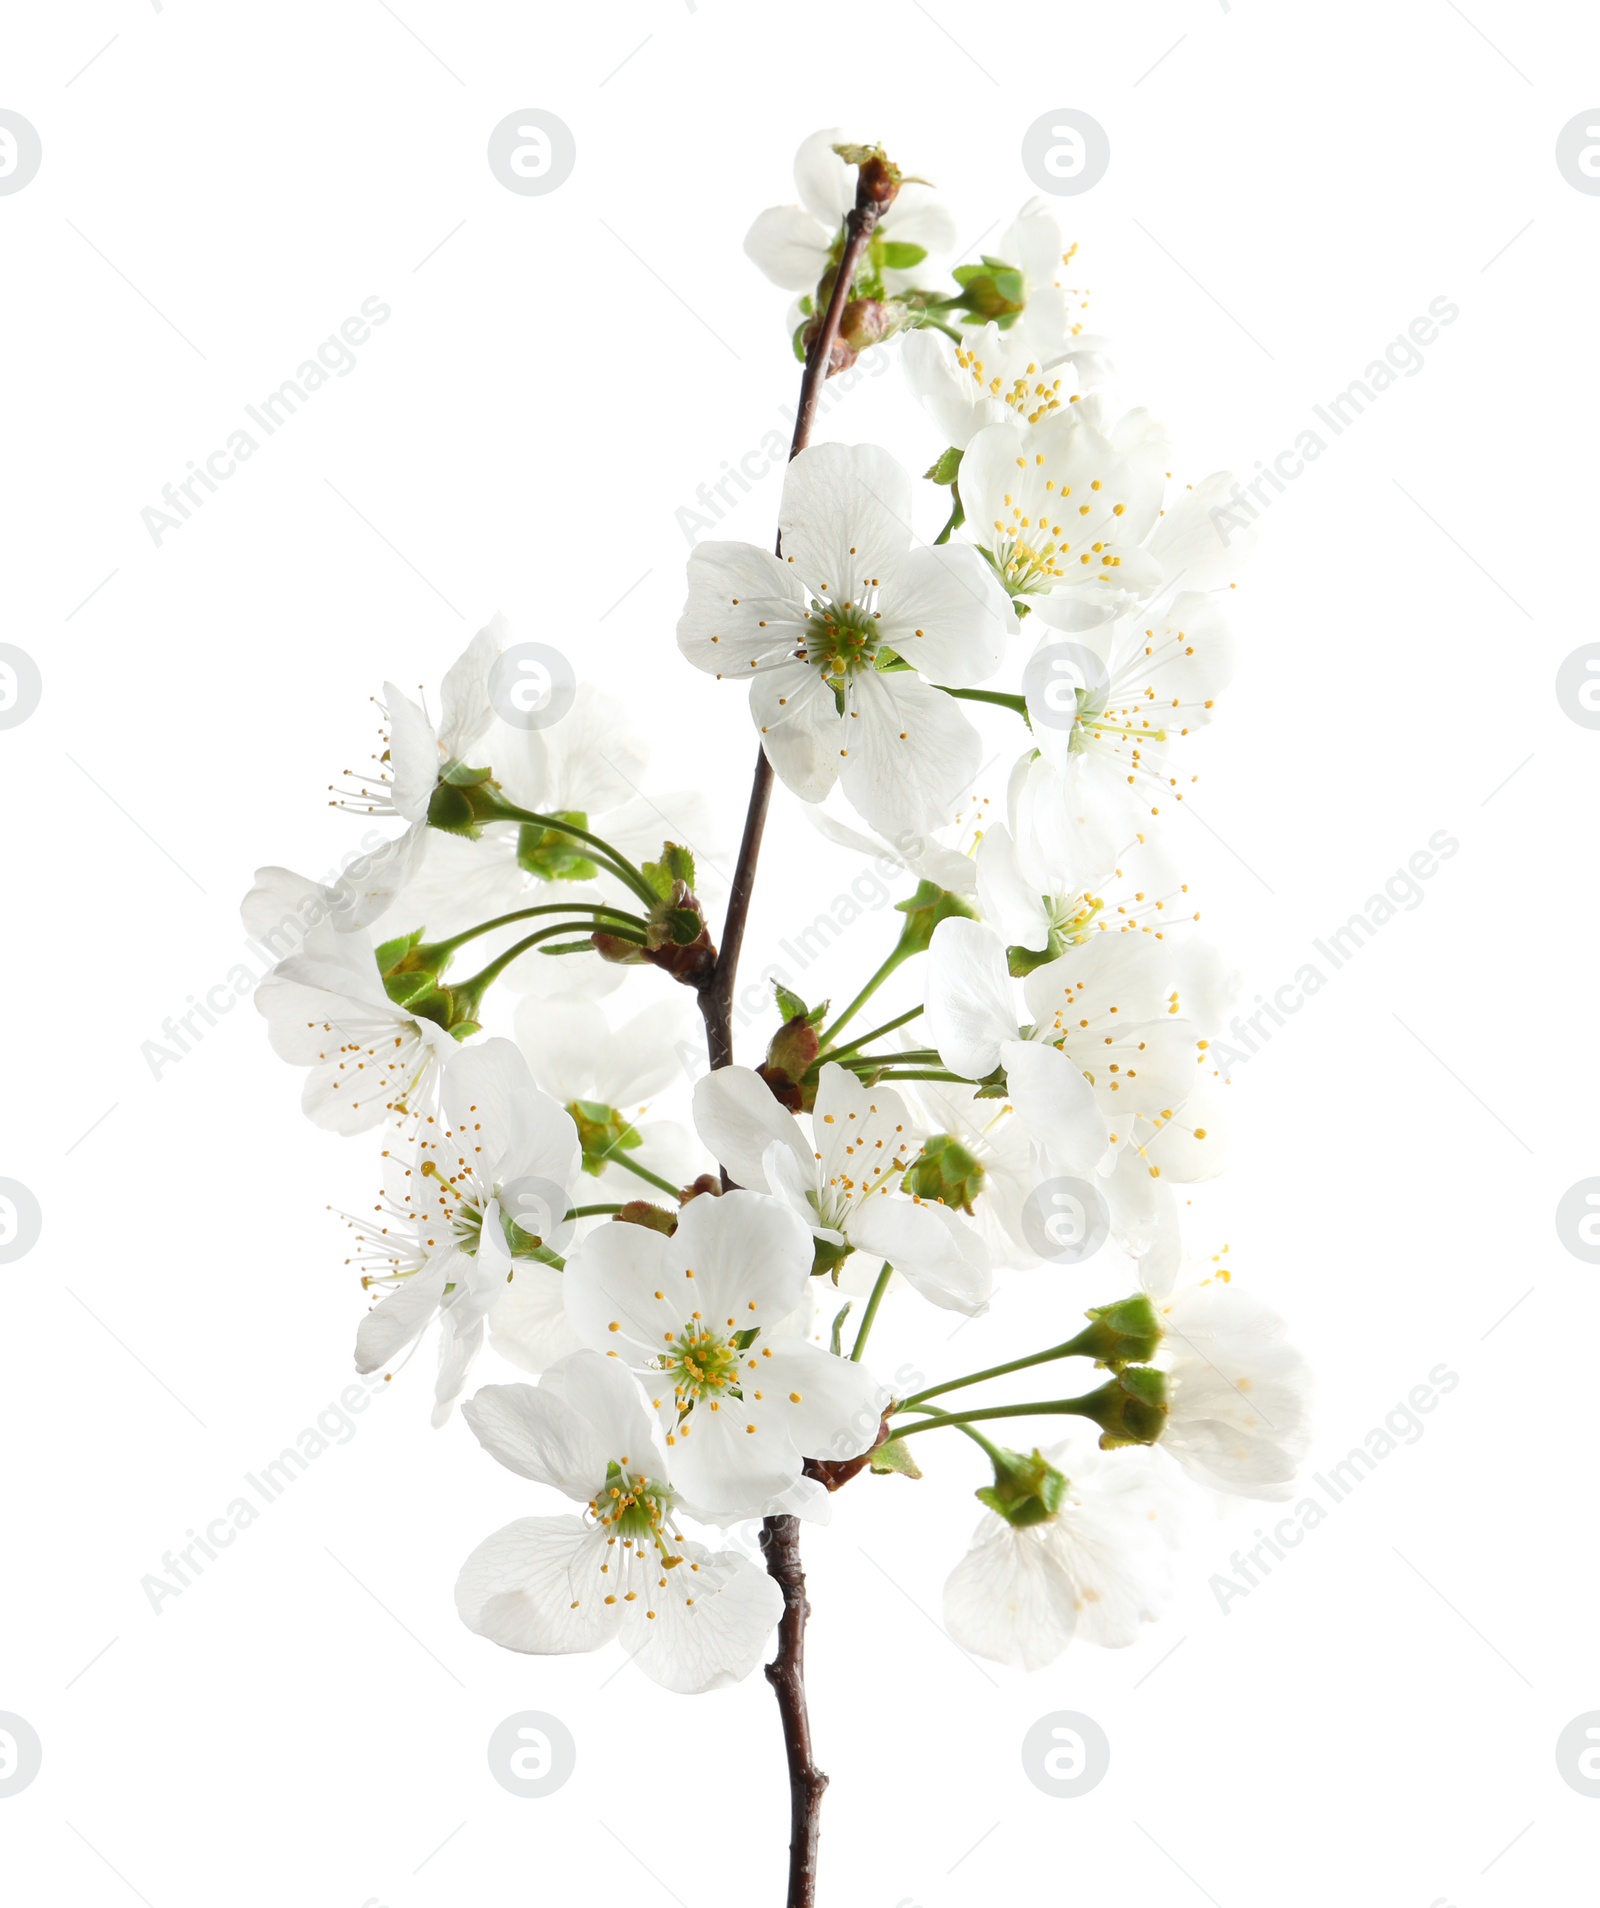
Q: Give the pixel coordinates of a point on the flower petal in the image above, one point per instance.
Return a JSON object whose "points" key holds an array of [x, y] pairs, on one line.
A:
{"points": [[911, 754], [536, 1586], [844, 517]]}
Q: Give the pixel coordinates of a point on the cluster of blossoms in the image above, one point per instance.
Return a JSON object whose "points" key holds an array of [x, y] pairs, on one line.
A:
{"points": [[683, 1290]]}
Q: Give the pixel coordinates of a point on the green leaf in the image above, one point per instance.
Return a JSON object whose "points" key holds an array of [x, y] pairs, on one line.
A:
{"points": [[900, 257], [790, 1005], [894, 1457], [685, 926], [676, 864]]}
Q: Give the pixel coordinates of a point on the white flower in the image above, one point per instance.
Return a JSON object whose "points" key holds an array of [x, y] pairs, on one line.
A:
{"points": [[844, 1183], [1238, 1393], [1111, 702], [925, 857], [1047, 883], [1063, 508], [1032, 244], [807, 631], [1111, 1028], [602, 1076], [576, 1054], [499, 1151], [326, 1009], [416, 754], [1099, 1569], [1016, 1171], [794, 244], [692, 1620], [692, 1315], [990, 377]]}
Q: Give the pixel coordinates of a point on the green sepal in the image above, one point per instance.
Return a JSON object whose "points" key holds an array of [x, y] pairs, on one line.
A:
{"points": [[602, 1133], [1130, 1408], [838, 1327], [895, 1456], [899, 256], [390, 954], [945, 468], [1026, 1490], [742, 1341], [945, 1173], [458, 775], [925, 909], [451, 809], [552, 855], [1021, 961], [827, 1257], [1126, 1333]]}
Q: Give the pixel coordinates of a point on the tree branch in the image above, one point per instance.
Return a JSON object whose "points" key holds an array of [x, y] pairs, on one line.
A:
{"points": [[877, 183], [780, 1545]]}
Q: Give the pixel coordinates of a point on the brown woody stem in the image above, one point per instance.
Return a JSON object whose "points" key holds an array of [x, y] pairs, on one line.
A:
{"points": [[780, 1545], [780, 1536]]}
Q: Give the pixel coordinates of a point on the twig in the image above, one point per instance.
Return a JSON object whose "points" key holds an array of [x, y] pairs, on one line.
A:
{"points": [[780, 1536]]}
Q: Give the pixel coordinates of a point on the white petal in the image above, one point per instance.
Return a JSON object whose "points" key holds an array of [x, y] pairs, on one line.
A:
{"points": [[800, 725], [1056, 1105], [911, 753], [971, 1007], [402, 1315], [828, 1407], [536, 1586], [1009, 1599], [719, 1637], [944, 611], [844, 516], [528, 1324], [737, 1117], [744, 608], [789, 246], [750, 1257], [935, 1250]]}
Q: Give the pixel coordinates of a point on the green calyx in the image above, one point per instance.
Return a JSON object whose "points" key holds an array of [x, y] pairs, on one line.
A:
{"points": [[991, 292], [1130, 1408], [1026, 1490], [411, 967], [552, 855], [1126, 1333], [946, 1173], [924, 910], [826, 1258], [602, 1133]]}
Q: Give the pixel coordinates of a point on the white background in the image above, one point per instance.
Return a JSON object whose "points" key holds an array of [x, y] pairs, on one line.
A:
{"points": [[1289, 187]]}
